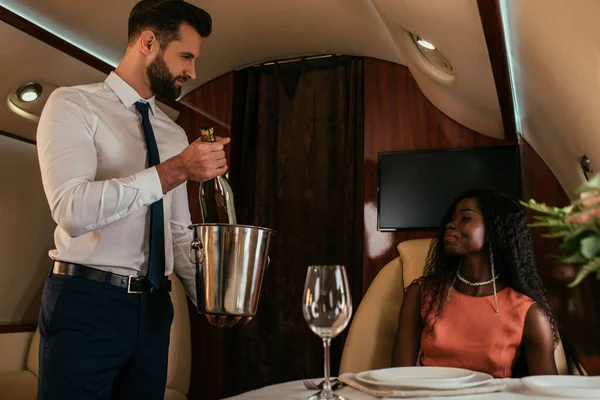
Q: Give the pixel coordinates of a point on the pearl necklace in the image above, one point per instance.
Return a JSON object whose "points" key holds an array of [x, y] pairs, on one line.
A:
{"points": [[483, 283], [493, 280]]}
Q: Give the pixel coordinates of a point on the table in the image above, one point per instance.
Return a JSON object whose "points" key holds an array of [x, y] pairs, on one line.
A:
{"points": [[295, 390]]}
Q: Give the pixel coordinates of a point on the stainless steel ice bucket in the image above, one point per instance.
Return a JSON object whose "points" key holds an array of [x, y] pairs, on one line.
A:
{"points": [[230, 263]]}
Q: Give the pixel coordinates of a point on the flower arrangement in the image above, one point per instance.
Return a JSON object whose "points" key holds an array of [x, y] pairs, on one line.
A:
{"points": [[578, 225]]}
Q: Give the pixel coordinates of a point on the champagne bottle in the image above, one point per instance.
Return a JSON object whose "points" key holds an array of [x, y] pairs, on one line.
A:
{"points": [[216, 196]]}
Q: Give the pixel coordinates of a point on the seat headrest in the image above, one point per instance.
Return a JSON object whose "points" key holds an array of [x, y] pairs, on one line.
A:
{"points": [[413, 254]]}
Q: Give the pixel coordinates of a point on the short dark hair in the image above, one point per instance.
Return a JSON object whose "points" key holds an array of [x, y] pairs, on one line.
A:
{"points": [[164, 17]]}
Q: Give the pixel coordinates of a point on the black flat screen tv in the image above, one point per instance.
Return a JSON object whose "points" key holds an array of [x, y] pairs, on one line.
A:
{"points": [[416, 187]]}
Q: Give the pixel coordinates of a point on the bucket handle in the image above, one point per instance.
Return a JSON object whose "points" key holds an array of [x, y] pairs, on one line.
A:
{"points": [[196, 250]]}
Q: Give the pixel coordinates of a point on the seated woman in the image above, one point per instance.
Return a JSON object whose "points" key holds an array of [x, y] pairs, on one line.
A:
{"points": [[481, 301]]}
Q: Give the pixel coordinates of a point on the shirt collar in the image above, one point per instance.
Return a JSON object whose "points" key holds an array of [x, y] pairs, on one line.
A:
{"points": [[126, 93]]}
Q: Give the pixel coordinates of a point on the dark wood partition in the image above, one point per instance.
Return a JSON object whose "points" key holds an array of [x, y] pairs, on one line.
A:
{"points": [[491, 22], [399, 117], [20, 327], [540, 184], [209, 104], [577, 309]]}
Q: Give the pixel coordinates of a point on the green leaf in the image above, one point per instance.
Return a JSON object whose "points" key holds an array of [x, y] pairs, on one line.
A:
{"points": [[573, 240], [592, 266], [550, 218], [571, 259], [551, 223], [556, 228], [556, 234], [542, 207], [592, 184], [528, 204], [568, 209], [565, 228], [543, 225], [590, 246]]}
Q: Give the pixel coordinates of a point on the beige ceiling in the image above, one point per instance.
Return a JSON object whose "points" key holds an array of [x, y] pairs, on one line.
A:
{"points": [[454, 26], [554, 47], [248, 32], [244, 32], [25, 59]]}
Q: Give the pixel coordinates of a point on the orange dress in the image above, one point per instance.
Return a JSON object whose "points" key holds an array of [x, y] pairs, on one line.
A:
{"points": [[470, 334]]}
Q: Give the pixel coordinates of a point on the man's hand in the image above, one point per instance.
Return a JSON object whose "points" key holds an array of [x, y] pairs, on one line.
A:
{"points": [[225, 321], [202, 161], [199, 162]]}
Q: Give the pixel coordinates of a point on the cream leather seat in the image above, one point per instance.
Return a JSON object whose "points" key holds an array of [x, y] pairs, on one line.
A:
{"points": [[21, 384], [372, 333]]}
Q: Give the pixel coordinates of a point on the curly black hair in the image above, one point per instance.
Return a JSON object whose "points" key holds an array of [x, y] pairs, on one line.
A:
{"points": [[509, 239]]}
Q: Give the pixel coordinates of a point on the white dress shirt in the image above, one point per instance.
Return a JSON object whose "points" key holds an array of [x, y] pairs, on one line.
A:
{"points": [[93, 161]]}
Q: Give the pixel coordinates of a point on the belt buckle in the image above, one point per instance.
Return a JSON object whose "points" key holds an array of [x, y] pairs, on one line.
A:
{"points": [[129, 286]]}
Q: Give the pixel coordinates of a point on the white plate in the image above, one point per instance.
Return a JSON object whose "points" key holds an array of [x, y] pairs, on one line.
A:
{"points": [[421, 373], [578, 387], [424, 378]]}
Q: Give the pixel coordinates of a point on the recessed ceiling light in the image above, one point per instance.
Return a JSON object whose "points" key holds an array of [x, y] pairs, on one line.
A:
{"points": [[425, 44], [426, 50], [29, 92]]}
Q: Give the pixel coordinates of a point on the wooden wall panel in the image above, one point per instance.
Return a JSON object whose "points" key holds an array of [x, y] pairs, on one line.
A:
{"points": [[577, 310], [491, 22], [540, 184], [399, 117], [16, 328], [209, 104]]}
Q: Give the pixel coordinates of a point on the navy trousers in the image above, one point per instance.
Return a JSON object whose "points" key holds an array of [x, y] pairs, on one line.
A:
{"points": [[100, 342]]}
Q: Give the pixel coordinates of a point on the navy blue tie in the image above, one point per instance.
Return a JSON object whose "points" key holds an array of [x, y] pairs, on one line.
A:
{"points": [[156, 261]]}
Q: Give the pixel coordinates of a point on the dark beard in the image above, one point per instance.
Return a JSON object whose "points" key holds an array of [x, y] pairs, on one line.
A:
{"points": [[162, 82]]}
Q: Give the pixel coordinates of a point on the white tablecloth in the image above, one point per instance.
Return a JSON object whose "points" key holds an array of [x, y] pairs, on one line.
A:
{"points": [[296, 391]]}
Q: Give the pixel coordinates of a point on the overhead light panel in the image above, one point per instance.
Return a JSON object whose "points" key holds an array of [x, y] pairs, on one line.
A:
{"points": [[425, 44], [29, 92]]}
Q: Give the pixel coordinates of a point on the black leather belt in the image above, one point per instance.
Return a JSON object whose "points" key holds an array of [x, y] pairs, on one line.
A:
{"points": [[133, 284]]}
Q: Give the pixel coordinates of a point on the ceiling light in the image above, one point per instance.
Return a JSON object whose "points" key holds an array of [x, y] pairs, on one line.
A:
{"points": [[425, 44], [442, 69], [29, 92]]}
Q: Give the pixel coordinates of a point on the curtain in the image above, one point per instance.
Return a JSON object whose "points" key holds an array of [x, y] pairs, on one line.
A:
{"points": [[296, 167]]}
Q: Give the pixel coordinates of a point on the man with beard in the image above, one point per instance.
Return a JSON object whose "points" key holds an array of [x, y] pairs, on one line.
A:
{"points": [[114, 168]]}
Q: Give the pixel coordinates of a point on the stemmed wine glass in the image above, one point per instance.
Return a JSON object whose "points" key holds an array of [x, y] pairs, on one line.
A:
{"points": [[327, 307]]}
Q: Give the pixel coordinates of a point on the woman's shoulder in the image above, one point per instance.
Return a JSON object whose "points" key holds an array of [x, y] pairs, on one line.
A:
{"points": [[519, 304], [517, 297], [414, 290], [416, 285]]}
